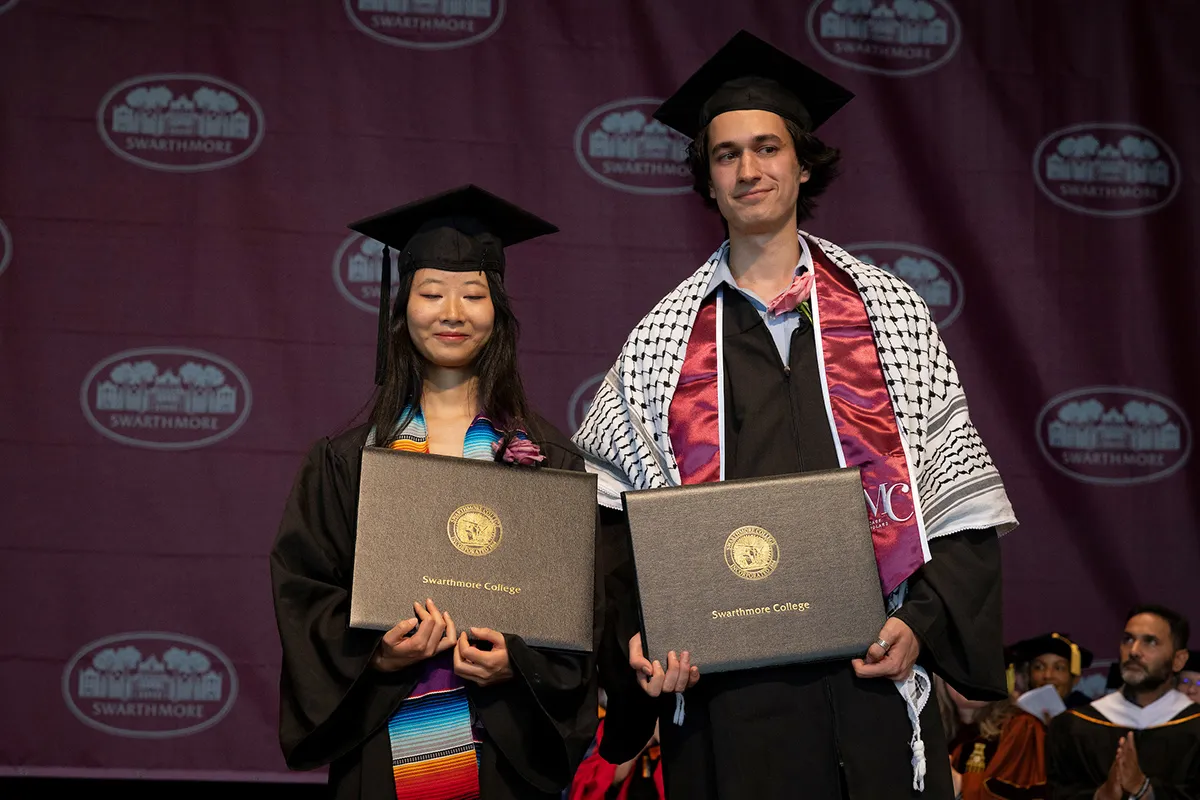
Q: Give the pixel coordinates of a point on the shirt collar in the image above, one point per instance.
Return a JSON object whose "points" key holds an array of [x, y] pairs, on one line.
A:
{"points": [[723, 274]]}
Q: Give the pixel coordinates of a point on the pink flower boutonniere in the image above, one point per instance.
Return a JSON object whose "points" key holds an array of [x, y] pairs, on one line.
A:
{"points": [[795, 297], [520, 451]]}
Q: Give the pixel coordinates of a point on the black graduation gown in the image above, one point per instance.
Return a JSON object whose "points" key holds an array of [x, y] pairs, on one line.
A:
{"points": [[1077, 699], [334, 706], [813, 731], [1082, 744]]}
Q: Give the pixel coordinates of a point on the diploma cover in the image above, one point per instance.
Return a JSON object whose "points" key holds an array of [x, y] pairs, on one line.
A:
{"points": [[499, 546], [754, 572]]}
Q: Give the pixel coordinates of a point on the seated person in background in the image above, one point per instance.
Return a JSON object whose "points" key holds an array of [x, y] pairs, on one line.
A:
{"points": [[1055, 660], [1142, 741], [996, 749]]}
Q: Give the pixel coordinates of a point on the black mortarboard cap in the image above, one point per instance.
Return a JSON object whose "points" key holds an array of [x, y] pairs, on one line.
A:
{"points": [[1058, 644], [749, 73], [460, 230]]}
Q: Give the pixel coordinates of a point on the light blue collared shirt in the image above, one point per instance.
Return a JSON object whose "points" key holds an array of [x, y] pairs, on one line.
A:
{"points": [[780, 327]]}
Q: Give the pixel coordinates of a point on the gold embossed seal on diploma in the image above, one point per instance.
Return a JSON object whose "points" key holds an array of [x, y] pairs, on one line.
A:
{"points": [[475, 529], [751, 552]]}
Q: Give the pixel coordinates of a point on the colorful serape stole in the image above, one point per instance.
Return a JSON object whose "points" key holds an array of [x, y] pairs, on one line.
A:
{"points": [[434, 743]]}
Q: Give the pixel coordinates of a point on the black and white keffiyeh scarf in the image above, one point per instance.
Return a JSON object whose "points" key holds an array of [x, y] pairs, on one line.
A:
{"points": [[626, 443], [625, 438]]}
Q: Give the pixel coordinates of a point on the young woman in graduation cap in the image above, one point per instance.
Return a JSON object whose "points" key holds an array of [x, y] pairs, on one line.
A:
{"points": [[422, 710]]}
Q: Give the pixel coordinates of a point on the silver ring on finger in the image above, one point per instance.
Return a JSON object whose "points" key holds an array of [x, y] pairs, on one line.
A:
{"points": [[883, 644]]}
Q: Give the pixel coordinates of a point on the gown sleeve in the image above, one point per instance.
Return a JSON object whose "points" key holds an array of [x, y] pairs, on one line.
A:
{"points": [[1078, 760], [1076, 767], [1068, 773], [630, 714], [1183, 780], [954, 608], [595, 775], [331, 700], [1018, 769], [544, 719]]}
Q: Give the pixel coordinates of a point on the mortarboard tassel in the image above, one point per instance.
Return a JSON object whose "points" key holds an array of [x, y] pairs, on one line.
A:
{"points": [[1010, 677], [385, 322], [1076, 659]]}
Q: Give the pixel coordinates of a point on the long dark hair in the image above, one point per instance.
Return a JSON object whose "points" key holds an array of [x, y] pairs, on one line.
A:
{"points": [[501, 393], [819, 159]]}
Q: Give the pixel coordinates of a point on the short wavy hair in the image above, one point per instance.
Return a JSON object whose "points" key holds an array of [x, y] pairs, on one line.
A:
{"points": [[821, 161]]}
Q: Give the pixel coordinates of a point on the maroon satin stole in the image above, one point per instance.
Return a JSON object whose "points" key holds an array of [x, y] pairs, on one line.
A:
{"points": [[869, 436]]}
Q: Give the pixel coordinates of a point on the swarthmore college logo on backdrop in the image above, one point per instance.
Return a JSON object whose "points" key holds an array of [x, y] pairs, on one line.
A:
{"points": [[6, 246], [581, 400], [1107, 169], [929, 273], [885, 37], [1114, 435], [166, 398], [149, 685], [621, 145], [180, 123], [426, 24], [357, 268]]}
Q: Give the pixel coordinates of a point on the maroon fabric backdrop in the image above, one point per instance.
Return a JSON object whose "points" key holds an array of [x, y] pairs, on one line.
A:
{"points": [[182, 311]]}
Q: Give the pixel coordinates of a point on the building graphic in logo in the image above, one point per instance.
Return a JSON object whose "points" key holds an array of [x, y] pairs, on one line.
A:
{"points": [[621, 145], [149, 685], [357, 268], [1107, 169], [165, 398], [931, 275], [426, 24], [180, 123], [896, 37], [1114, 435]]}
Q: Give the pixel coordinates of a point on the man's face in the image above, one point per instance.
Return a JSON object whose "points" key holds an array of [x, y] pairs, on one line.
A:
{"points": [[1054, 670], [755, 176], [1148, 655]]}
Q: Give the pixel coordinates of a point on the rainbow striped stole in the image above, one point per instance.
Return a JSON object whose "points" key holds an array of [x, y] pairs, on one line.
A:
{"points": [[434, 746]]}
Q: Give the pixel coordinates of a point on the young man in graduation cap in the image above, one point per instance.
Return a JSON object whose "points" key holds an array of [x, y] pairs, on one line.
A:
{"points": [[1142, 741], [783, 354], [1054, 659], [421, 711]]}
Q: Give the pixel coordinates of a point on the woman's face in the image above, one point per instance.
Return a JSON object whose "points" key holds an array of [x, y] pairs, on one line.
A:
{"points": [[1053, 669], [450, 316]]}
